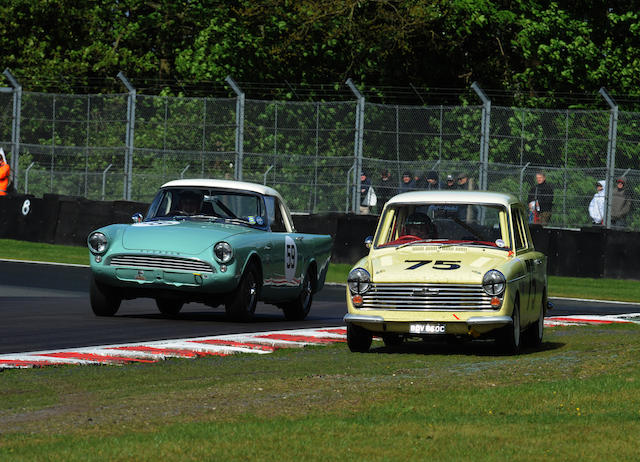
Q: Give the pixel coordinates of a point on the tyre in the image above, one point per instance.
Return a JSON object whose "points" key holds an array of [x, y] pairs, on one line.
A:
{"points": [[169, 306], [358, 339], [241, 305], [105, 300], [533, 335], [299, 308], [392, 340], [510, 340]]}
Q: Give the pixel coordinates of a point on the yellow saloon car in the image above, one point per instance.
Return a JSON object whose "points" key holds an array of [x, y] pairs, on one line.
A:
{"points": [[449, 263]]}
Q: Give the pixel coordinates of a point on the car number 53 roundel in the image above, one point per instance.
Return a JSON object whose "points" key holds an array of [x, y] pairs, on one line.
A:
{"points": [[290, 258]]}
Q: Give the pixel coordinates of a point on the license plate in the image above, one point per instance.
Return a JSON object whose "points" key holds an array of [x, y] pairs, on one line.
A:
{"points": [[427, 328]]}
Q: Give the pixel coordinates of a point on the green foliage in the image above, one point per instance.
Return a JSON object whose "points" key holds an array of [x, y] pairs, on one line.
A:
{"points": [[524, 47]]}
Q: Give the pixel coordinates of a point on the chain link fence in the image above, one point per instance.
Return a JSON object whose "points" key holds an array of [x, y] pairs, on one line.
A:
{"points": [[124, 146]]}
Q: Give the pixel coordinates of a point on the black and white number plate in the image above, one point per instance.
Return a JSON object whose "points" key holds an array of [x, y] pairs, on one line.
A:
{"points": [[427, 328]]}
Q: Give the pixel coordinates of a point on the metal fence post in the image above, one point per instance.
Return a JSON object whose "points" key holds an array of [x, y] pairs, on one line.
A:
{"points": [[484, 139], [15, 125], [357, 149], [239, 126], [611, 155], [131, 122], [104, 178]]}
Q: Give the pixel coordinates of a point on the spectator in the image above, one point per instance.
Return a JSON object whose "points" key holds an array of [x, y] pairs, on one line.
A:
{"points": [[540, 200], [596, 206], [451, 183], [407, 183], [385, 189], [419, 182], [620, 204], [365, 185], [432, 183], [5, 172], [463, 182]]}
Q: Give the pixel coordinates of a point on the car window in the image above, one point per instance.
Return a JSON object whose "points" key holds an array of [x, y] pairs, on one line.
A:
{"points": [[519, 231], [442, 223], [276, 221]]}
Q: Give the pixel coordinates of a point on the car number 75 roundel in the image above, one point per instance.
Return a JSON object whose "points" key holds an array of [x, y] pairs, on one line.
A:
{"points": [[438, 264]]}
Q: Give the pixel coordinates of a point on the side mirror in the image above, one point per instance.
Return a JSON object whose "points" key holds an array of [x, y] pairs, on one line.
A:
{"points": [[137, 217], [368, 241]]}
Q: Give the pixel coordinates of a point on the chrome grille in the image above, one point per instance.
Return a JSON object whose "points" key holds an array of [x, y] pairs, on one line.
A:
{"points": [[161, 262], [431, 297]]}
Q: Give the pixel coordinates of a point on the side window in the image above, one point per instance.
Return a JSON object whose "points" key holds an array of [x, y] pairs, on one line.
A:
{"points": [[276, 221], [519, 232]]}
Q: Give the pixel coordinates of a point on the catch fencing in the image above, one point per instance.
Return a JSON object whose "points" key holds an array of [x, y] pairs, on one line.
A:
{"points": [[124, 146]]}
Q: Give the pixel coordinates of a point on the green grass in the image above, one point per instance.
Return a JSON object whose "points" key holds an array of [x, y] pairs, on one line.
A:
{"points": [[34, 251], [603, 289], [578, 398]]}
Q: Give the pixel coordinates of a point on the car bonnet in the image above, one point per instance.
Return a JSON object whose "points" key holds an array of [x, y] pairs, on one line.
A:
{"points": [[185, 237], [435, 264]]}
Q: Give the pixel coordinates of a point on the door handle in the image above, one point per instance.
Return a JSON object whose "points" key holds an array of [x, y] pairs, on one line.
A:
{"points": [[268, 247], [299, 238]]}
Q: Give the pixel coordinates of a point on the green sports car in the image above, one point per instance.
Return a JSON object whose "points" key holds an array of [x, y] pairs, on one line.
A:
{"points": [[209, 241]]}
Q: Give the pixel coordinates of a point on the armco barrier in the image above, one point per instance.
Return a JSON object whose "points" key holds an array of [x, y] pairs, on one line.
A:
{"points": [[588, 252]]}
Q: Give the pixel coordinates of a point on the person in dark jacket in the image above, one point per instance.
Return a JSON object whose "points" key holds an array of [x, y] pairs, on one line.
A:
{"points": [[365, 184], [540, 200], [451, 183], [620, 204], [385, 189], [407, 183], [432, 183]]}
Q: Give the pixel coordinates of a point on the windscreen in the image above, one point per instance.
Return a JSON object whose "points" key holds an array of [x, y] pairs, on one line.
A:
{"points": [[206, 203], [427, 223]]}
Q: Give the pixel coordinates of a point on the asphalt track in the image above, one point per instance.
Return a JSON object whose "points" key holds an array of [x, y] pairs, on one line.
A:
{"points": [[46, 307]]}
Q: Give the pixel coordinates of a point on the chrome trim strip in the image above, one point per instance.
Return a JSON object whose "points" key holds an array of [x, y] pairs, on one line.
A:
{"points": [[490, 320], [362, 318], [517, 279]]}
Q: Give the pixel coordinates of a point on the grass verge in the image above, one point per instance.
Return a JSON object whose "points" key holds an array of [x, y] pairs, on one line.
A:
{"points": [[609, 289], [577, 398]]}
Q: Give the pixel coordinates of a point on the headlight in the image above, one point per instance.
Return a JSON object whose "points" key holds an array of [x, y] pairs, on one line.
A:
{"points": [[359, 281], [494, 282], [98, 243], [223, 252]]}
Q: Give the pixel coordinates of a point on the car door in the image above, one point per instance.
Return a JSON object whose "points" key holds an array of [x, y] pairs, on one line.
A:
{"points": [[284, 267], [527, 256]]}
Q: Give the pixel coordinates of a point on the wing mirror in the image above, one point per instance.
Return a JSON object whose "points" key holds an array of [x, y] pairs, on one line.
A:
{"points": [[137, 217], [368, 241]]}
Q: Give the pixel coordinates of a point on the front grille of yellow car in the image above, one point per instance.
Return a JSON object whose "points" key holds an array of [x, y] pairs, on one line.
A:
{"points": [[428, 297], [160, 262]]}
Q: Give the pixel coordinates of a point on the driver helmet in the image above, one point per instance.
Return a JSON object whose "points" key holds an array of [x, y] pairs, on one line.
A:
{"points": [[420, 225], [190, 202]]}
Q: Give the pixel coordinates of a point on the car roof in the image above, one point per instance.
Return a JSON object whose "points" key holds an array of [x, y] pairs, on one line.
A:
{"points": [[464, 197], [223, 184]]}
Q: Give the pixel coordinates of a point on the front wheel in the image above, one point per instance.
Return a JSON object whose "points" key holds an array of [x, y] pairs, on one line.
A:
{"points": [[169, 306], [510, 338], [358, 339], [104, 300], [299, 308], [241, 305]]}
